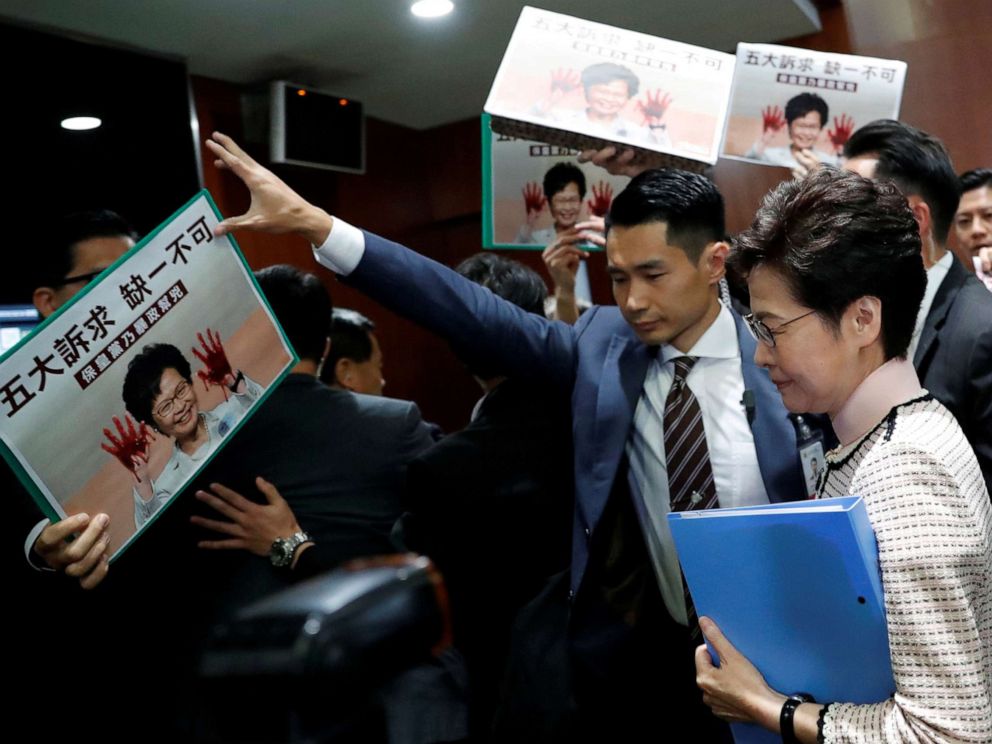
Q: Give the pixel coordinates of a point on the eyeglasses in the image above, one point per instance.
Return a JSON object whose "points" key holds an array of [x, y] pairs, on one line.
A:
{"points": [[166, 408], [85, 278], [763, 333]]}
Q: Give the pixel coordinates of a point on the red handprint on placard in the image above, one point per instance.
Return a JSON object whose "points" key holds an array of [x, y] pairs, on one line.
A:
{"points": [[217, 370], [131, 442], [654, 106], [602, 197], [772, 119], [534, 200], [564, 80], [841, 133]]}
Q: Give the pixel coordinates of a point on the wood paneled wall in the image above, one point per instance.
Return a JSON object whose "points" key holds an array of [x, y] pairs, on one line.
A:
{"points": [[423, 188]]}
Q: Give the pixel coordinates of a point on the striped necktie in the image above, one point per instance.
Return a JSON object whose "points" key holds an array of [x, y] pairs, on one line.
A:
{"points": [[690, 477]]}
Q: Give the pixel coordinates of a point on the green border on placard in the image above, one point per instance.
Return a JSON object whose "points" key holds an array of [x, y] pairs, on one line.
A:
{"points": [[15, 464], [488, 220], [488, 223]]}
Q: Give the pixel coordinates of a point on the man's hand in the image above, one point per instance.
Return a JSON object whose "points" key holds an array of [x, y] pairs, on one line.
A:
{"points": [[654, 106], [841, 133], [622, 161], [130, 445], [85, 557], [985, 257], [602, 197], [216, 368], [275, 208], [562, 258], [806, 163], [253, 527], [534, 201], [983, 266]]}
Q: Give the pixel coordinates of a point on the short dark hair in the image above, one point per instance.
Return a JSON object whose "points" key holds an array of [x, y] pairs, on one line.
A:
{"points": [[59, 245], [689, 203], [301, 304], [144, 373], [975, 179], [606, 72], [835, 237], [560, 175], [918, 163], [510, 280], [802, 104], [350, 339]]}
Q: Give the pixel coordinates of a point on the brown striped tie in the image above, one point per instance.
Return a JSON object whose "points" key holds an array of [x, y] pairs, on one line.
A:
{"points": [[690, 478]]}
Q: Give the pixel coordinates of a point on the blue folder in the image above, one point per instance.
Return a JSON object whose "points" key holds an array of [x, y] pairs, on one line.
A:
{"points": [[796, 588]]}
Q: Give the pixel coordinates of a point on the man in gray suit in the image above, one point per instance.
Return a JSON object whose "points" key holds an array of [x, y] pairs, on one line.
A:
{"points": [[952, 342]]}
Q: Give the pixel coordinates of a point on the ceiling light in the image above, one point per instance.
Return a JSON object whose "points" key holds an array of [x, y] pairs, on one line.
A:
{"points": [[80, 123], [432, 8]]}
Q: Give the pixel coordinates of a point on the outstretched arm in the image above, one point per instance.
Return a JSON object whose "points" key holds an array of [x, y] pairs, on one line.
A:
{"points": [[468, 316], [275, 208]]}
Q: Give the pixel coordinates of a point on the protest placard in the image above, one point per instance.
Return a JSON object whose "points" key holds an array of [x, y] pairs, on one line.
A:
{"points": [[787, 99], [580, 84], [118, 400], [517, 210]]}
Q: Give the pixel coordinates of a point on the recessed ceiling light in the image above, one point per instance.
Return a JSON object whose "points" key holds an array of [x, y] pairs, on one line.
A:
{"points": [[80, 123], [432, 8]]}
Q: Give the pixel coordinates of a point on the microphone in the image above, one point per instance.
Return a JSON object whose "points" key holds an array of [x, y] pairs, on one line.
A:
{"points": [[748, 402]]}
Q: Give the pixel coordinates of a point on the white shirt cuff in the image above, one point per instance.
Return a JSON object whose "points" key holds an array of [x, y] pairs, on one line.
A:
{"points": [[29, 545], [343, 249]]}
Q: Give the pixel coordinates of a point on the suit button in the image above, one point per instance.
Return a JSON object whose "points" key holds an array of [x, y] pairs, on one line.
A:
{"points": [[588, 533], [571, 595]]}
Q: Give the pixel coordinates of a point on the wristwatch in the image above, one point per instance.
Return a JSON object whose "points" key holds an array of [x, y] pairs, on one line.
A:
{"points": [[786, 717], [284, 548]]}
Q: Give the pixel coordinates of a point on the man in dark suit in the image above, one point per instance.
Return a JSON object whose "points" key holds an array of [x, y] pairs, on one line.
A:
{"points": [[347, 496], [355, 360], [340, 460], [973, 219], [952, 343], [491, 504], [631, 627]]}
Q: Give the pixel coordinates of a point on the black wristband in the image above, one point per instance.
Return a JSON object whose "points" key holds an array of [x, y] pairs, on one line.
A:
{"points": [[786, 717]]}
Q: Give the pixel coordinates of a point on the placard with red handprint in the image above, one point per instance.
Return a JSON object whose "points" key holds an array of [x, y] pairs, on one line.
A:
{"points": [[592, 84], [794, 108], [517, 211], [113, 405]]}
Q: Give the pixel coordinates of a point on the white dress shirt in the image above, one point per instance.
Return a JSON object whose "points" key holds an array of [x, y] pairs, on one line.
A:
{"points": [[717, 382], [342, 249], [935, 275]]}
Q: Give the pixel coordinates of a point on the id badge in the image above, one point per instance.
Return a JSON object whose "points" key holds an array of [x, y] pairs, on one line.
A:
{"points": [[814, 465]]}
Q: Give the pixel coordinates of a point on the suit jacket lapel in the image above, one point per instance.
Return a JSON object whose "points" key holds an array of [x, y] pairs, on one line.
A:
{"points": [[942, 303], [624, 369]]}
